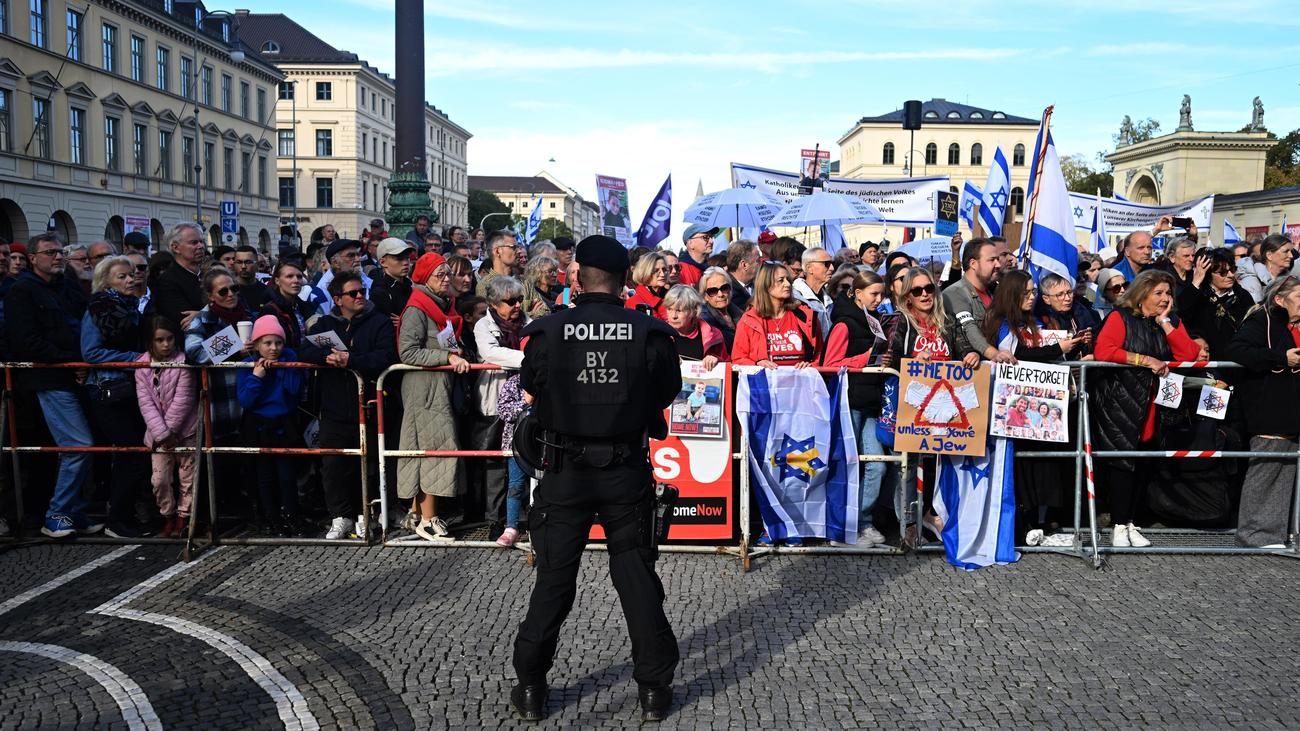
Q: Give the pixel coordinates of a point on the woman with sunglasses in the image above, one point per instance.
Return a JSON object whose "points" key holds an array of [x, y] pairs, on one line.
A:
{"points": [[1221, 305], [1142, 333], [538, 284], [777, 329], [696, 339], [925, 332], [281, 299], [856, 340], [1268, 346], [720, 309], [1111, 286], [650, 277], [429, 334], [224, 309]]}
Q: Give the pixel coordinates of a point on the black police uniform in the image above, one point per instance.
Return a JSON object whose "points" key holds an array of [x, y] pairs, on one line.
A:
{"points": [[602, 376]]}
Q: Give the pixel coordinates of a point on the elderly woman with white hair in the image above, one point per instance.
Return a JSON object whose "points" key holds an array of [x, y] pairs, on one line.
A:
{"points": [[695, 338], [540, 276], [500, 344], [720, 309]]}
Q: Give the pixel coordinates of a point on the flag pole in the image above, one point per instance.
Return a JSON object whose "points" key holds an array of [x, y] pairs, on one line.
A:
{"points": [[1043, 131]]}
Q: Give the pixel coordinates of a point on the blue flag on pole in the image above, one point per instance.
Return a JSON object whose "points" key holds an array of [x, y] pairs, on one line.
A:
{"points": [[971, 196], [976, 500], [1097, 239], [534, 222], [997, 193], [803, 453], [1048, 242], [1230, 235], [658, 220]]}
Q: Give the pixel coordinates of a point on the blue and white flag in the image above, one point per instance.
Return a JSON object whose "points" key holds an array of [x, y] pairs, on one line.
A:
{"points": [[1230, 235], [1097, 239], [976, 500], [971, 196], [1283, 224], [658, 220], [803, 453], [997, 194], [1048, 242], [1118, 197], [534, 222]]}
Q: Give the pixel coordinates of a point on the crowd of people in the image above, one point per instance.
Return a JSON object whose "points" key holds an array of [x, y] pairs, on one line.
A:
{"points": [[462, 298]]}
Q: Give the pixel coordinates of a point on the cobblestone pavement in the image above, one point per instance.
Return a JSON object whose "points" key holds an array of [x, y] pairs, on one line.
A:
{"points": [[300, 637]]}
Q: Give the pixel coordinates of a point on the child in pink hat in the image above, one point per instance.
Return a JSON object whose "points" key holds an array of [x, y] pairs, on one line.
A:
{"points": [[270, 397]]}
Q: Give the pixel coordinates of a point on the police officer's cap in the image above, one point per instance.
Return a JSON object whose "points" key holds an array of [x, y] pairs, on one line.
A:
{"points": [[602, 252]]}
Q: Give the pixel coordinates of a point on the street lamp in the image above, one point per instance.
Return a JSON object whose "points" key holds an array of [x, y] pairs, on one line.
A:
{"points": [[485, 218], [237, 58]]}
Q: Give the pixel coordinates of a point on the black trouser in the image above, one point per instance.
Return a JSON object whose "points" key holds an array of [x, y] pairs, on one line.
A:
{"points": [[559, 523], [120, 425], [342, 475], [1126, 490]]}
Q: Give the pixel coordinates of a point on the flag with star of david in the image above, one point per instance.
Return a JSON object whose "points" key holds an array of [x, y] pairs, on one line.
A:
{"points": [[803, 453], [997, 194], [975, 497]]}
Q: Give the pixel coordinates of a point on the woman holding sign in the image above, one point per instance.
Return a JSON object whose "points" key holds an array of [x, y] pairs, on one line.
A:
{"points": [[1142, 333], [224, 309], [1268, 345], [1041, 484]]}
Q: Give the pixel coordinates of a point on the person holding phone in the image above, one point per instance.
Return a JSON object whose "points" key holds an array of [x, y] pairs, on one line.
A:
{"points": [[1059, 308]]}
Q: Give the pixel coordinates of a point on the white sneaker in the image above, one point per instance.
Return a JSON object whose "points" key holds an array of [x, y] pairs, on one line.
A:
{"points": [[1135, 539], [1058, 540], [1034, 537], [1119, 536], [1274, 545], [869, 537], [340, 528], [433, 530]]}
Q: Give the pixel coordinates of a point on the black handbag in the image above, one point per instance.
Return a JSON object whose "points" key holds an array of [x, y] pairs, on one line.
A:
{"points": [[111, 393]]}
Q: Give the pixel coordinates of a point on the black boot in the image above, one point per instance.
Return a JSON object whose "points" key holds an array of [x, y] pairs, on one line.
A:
{"points": [[528, 701], [655, 702]]}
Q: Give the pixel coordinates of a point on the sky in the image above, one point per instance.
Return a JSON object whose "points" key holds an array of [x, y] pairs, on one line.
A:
{"points": [[642, 90]]}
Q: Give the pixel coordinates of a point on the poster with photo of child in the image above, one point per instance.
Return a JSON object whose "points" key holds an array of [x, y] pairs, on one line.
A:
{"points": [[697, 411], [1031, 401]]}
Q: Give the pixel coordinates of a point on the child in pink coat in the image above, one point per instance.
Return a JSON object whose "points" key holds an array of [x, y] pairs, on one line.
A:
{"points": [[167, 402]]}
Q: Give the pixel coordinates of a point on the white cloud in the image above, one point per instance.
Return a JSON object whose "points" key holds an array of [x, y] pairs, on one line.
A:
{"points": [[505, 58]]}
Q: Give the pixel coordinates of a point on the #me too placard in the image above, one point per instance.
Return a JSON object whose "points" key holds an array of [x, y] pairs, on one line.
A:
{"points": [[942, 408]]}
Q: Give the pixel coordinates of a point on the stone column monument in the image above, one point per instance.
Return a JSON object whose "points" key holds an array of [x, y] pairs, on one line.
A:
{"points": [[408, 189]]}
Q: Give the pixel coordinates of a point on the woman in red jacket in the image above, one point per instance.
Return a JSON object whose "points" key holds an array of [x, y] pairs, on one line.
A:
{"points": [[695, 338], [650, 274], [1139, 332], [777, 329]]}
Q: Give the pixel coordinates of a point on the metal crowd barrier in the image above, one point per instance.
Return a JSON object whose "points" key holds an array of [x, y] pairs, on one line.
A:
{"points": [[205, 450]]}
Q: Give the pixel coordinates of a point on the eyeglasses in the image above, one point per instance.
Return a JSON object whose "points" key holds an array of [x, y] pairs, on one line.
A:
{"points": [[142, 267], [225, 291], [512, 301], [703, 236], [714, 291], [52, 253], [823, 262], [1064, 294], [441, 275], [77, 258], [674, 267], [357, 294], [924, 289], [1115, 288], [98, 257]]}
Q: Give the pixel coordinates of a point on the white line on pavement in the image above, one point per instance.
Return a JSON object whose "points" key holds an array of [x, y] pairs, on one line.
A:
{"points": [[14, 602], [131, 700], [289, 701]]}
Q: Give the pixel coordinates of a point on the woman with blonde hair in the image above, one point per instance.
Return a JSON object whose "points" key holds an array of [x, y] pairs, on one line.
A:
{"points": [[650, 277]]}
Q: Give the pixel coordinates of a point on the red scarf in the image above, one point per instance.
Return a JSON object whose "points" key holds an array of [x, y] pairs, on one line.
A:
{"points": [[426, 304]]}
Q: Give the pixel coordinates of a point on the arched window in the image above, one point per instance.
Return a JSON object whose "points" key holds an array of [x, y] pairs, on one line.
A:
{"points": [[1017, 201], [954, 154], [977, 154], [931, 154], [1018, 156], [887, 154], [931, 114], [954, 115]]}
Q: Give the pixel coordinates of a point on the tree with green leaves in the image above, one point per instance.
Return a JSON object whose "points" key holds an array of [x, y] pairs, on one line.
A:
{"points": [[1131, 133], [1081, 177], [481, 203], [551, 228]]}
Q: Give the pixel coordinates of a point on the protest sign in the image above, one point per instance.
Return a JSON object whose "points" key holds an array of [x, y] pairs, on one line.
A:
{"points": [[224, 345], [328, 340], [697, 410], [945, 213], [1031, 401], [1125, 217], [137, 224], [942, 408], [1213, 402], [615, 222], [904, 201], [814, 169], [1169, 391]]}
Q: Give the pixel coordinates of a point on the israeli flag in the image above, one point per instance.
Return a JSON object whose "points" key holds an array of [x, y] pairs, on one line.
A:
{"points": [[1230, 235], [971, 196], [1097, 239], [1119, 197], [1284, 223], [1048, 242], [976, 500], [997, 193], [803, 454], [534, 222]]}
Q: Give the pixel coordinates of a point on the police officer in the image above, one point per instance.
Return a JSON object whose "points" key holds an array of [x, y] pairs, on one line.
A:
{"points": [[602, 376]]}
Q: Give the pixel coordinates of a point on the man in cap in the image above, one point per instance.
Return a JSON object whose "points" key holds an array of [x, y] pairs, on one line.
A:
{"points": [[392, 288], [601, 376], [870, 254], [136, 243], [344, 255], [377, 229], [698, 245], [564, 256]]}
